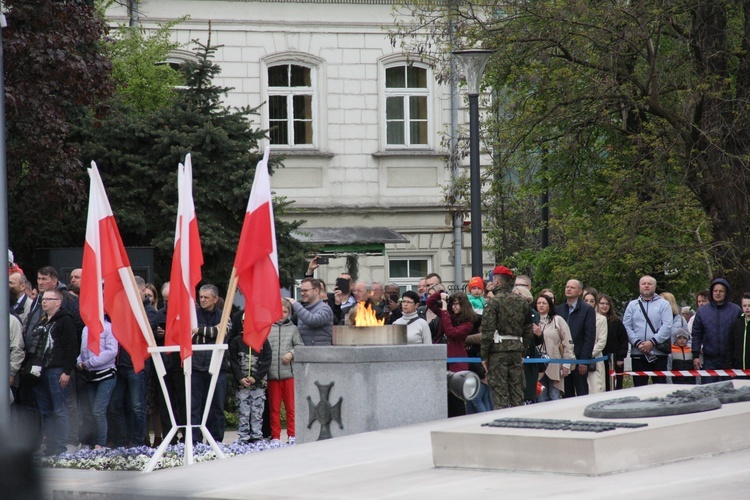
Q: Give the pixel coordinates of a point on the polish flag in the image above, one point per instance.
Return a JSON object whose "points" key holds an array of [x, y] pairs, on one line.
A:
{"points": [[256, 263], [105, 262], [186, 267]]}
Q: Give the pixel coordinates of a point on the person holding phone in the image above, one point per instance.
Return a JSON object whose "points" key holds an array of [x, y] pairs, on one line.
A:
{"points": [[343, 300], [315, 263]]}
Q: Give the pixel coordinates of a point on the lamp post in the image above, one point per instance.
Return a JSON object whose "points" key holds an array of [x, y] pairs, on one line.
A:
{"points": [[473, 62]]}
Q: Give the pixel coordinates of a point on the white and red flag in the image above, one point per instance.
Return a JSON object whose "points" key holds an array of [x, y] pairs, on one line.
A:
{"points": [[186, 267], [105, 262], [256, 263]]}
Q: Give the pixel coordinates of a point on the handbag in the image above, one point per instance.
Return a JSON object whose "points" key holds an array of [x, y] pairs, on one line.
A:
{"points": [[98, 375], [543, 354], [664, 347]]}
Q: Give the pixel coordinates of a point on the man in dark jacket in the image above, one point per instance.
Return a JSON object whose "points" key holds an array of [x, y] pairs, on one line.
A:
{"points": [[738, 349], [581, 319], [711, 329], [209, 317], [52, 354]]}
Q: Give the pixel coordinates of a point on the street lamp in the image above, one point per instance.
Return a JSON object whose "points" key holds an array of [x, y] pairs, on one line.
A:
{"points": [[473, 62]]}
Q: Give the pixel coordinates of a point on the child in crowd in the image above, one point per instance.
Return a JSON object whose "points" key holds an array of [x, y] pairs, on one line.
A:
{"points": [[283, 338], [738, 351], [249, 369], [682, 356], [476, 294]]}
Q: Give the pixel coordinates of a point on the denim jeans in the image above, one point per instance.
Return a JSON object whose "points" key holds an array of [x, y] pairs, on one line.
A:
{"points": [[216, 422], [128, 407], [50, 399], [99, 395], [481, 403], [550, 392], [713, 364]]}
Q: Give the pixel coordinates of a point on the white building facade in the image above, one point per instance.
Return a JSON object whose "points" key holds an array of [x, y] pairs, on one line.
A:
{"points": [[361, 126]]}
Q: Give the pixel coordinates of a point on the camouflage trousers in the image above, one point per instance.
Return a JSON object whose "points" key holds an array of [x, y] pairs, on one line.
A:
{"points": [[250, 404], [506, 378]]}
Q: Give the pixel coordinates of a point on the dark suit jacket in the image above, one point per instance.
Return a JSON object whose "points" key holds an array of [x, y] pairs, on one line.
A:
{"points": [[582, 324]]}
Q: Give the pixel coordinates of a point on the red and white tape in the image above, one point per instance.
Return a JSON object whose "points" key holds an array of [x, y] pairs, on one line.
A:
{"points": [[686, 373]]}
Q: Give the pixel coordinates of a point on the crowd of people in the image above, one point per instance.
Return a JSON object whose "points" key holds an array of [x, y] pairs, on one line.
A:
{"points": [[78, 399], [501, 323], [81, 399]]}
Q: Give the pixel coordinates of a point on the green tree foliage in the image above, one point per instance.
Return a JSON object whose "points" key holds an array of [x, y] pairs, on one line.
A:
{"points": [[138, 151], [56, 75], [144, 79], [634, 115]]}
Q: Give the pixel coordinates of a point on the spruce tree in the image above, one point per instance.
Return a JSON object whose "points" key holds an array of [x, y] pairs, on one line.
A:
{"points": [[138, 153]]}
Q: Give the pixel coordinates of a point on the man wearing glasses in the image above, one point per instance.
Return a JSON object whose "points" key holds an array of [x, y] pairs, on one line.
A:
{"points": [[314, 317], [53, 352]]}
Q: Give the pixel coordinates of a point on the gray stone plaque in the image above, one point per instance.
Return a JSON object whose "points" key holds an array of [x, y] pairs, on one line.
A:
{"points": [[554, 424], [701, 398]]}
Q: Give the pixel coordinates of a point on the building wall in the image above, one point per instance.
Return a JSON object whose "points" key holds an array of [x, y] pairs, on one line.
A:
{"points": [[349, 177]]}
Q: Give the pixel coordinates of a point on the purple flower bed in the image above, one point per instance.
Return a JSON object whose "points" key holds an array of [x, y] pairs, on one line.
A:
{"points": [[136, 458]]}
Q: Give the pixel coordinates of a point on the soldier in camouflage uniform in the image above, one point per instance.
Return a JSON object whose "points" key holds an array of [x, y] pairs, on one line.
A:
{"points": [[506, 333], [249, 370]]}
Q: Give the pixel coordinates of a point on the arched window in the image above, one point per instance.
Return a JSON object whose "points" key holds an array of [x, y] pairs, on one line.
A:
{"points": [[291, 104]]}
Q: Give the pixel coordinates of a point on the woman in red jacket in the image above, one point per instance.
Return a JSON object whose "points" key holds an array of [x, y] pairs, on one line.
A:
{"points": [[457, 320]]}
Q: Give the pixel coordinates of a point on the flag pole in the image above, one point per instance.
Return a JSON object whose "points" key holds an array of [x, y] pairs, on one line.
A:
{"points": [[223, 324], [148, 334], [217, 355]]}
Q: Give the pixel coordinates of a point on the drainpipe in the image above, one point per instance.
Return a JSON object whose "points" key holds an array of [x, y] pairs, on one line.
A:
{"points": [[133, 12], [456, 173]]}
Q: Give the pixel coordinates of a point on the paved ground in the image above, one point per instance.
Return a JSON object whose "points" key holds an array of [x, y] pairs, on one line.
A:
{"points": [[397, 463]]}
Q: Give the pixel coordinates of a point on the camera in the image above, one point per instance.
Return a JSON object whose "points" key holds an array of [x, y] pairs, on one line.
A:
{"points": [[321, 259], [393, 297]]}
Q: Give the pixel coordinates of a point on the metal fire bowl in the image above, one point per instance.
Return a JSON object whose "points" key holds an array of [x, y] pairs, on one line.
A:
{"points": [[369, 335]]}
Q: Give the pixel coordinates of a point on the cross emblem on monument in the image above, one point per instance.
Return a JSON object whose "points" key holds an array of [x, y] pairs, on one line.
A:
{"points": [[324, 412]]}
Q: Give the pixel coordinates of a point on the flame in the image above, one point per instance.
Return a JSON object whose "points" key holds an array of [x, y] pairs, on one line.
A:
{"points": [[366, 316]]}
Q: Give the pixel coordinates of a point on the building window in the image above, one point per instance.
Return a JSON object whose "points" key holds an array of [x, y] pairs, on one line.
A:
{"points": [[290, 105], [406, 272], [406, 105]]}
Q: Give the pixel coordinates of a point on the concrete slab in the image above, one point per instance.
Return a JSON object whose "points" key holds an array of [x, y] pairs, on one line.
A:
{"points": [[588, 453], [397, 463]]}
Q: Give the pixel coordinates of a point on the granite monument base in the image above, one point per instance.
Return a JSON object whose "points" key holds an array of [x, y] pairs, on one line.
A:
{"points": [[664, 439], [344, 390]]}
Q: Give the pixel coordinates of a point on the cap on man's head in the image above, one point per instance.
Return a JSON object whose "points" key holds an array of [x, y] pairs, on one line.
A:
{"points": [[502, 270], [476, 281]]}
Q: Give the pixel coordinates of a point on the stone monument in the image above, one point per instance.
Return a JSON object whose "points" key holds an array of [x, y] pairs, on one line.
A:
{"points": [[342, 390]]}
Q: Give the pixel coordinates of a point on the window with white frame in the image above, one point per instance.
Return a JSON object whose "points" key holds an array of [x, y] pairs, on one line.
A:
{"points": [[407, 271], [290, 104], [407, 96]]}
